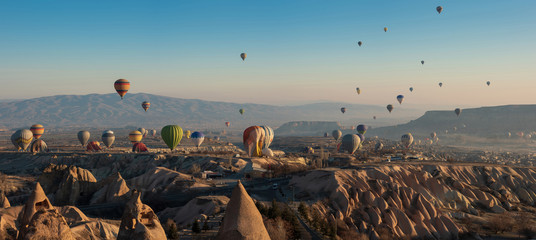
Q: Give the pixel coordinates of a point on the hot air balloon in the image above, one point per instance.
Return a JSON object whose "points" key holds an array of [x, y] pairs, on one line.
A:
{"points": [[172, 135], [374, 117], [488, 83], [135, 136], [400, 98], [197, 138], [509, 134], [145, 105], [241, 111], [433, 135], [361, 138], [407, 139], [361, 128], [243, 56], [385, 29], [143, 132], [14, 139], [350, 143], [83, 137], [268, 136], [411, 89], [93, 146], [378, 146], [139, 147], [422, 62], [336, 134], [122, 86], [390, 108], [153, 132], [108, 138], [457, 111], [188, 133], [227, 124], [359, 43], [39, 146], [37, 130], [24, 138], [326, 134], [439, 9], [520, 134], [358, 91], [440, 84], [267, 152], [253, 138], [343, 110]]}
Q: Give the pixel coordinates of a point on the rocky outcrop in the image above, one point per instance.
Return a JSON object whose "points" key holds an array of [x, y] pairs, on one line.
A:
{"points": [[40, 220], [242, 220], [139, 222], [69, 185], [194, 209], [160, 179], [4, 202], [112, 189], [95, 230]]}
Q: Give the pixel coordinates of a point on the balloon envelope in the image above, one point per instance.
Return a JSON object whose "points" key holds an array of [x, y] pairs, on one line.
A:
{"points": [[145, 105], [385, 29], [422, 62], [488, 83], [243, 56], [439, 9], [400, 98], [253, 138], [227, 124], [39, 146], [390, 108], [440, 84], [241, 111], [108, 138], [172, 135], [350, 143], [359, 43], [343, 110], [139, 147], [122, 86], [83, 137], [358, 91], [457, 111], [37, 130], [14, 139], [153, 132], [407, 139], [268, 136], [197, 138], [336, 134], [361, 128], [411, 89], [135, 136]]}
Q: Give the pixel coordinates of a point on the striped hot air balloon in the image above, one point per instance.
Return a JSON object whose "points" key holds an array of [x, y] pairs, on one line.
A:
{"points": [[24, 138], [227, 124], [172, 135], [253, 140], [122, 86], [197, 138], [268, 136], [108, 138], [145, 105], [135, 136], [37, 130]]}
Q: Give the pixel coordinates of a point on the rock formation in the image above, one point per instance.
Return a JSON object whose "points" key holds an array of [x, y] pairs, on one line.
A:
{"points": [[204, 205], [70, 185], [242, 220], [139, 222], [112, 189]]}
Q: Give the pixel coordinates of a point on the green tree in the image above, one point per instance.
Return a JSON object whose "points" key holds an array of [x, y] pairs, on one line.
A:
{"points": [[171, 229]]}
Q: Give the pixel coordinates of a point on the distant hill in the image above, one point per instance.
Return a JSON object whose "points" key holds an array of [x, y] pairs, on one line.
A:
{"points": [[483, 122], [307, 128], [108, 110]]}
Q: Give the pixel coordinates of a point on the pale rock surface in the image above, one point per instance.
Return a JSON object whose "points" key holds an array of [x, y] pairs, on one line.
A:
{"points": [[139, 222]]}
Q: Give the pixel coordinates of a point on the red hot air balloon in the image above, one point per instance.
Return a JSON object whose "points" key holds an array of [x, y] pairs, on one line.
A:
{"points": [[122, 86], [227, 124]]}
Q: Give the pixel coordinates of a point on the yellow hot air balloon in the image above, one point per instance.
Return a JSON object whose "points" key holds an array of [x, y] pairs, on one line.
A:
{"points": [[188, 133], [385, 29], [135, 136]]}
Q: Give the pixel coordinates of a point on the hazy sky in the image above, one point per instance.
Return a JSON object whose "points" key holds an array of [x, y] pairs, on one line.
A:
{"points": [[298, 51]]}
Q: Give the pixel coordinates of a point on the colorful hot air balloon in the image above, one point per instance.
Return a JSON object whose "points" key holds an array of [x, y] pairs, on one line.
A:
{"points": [[488, 83], [39, 146], [227, 124], [243, 56], [253, 140], [336, 134], [411, 89], [108, 138], [407, 139], [433, 135], [241, 111], [439, 9], [361, 128], [135, 136], [326, 134], [143, 132], [139, 147], [358, 91], [457, 111], [390, 108], [400, 98], [197, 138], [145, 105], [14, 139], [188, 133], [350, 143], [343, 110], [172, 135], [422, 62], [359, 43], [37, 130], [152, 132], [93, 146], [83, 137], [378, 146], [385, 29], [362, 138], [440, 84], [268, 136], [122, 86], [24, 138]]}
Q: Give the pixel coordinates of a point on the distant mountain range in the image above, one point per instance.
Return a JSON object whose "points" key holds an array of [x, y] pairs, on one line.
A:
{"points": [[108, 110], [484, 122]]}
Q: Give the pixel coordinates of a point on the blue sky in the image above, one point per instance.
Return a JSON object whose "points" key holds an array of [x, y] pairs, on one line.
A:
{"points": [[298, 51]]}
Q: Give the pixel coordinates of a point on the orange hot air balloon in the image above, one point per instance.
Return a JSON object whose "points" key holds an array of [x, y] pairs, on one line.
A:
{"points": [[145, 105], [135, 136], [122, 86], [227, 124], [37, 130]]}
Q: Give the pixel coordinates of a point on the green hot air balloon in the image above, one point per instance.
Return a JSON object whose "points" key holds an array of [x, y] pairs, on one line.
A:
{"points": [[172, 135], [241, 111]]}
